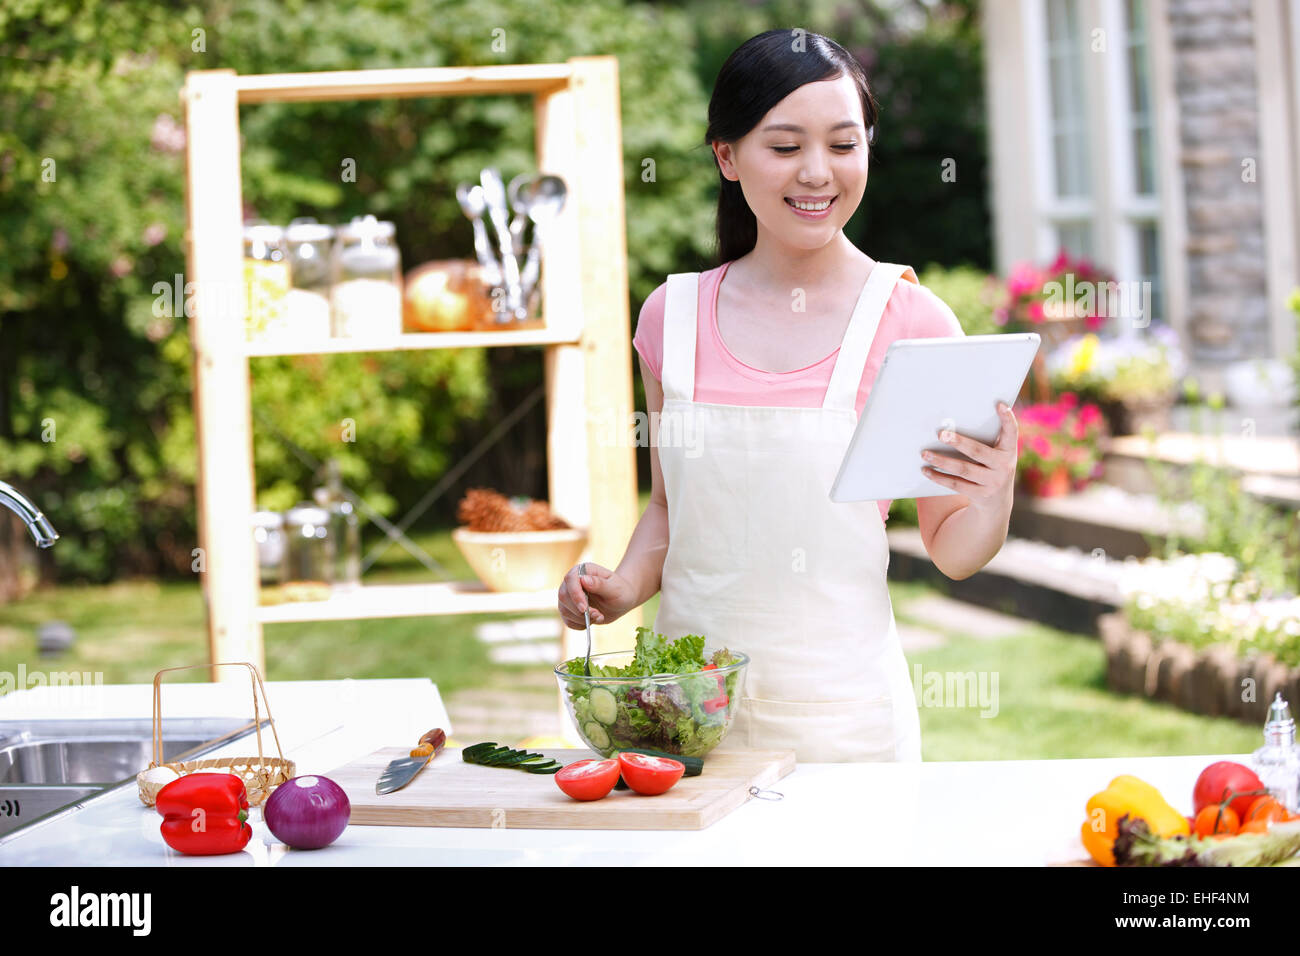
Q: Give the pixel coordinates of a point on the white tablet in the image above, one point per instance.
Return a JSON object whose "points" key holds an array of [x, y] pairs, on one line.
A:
{"points": [[923, 386]]}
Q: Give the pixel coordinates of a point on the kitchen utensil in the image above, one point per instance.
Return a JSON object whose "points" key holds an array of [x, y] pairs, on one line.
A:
{"points": [[545, 203], [261, 774], [403, 770], [660, 698], [473, 204], [452, 793], [495, 193], [586, 616], [520, 193]]}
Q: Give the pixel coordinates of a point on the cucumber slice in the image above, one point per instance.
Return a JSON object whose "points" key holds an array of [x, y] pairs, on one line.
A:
{"points": [[596, 735], [603, 706]]}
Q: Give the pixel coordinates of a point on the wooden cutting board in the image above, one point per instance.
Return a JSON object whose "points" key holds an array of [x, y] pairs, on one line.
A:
{"points": [[452, 793]]}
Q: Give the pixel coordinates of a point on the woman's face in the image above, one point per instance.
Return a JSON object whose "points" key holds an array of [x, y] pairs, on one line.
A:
{"points": [[819, 154]]}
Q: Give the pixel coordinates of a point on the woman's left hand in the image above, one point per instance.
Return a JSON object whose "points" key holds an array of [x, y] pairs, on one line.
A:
{"points": [[988, 480]]}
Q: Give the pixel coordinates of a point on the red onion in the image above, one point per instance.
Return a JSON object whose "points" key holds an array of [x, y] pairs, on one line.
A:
{"points": [[308, 812]]}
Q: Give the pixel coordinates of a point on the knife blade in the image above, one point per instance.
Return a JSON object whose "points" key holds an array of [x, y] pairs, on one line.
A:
{"points": [[403, 770]]}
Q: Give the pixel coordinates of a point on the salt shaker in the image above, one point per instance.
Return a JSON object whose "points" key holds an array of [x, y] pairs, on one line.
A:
{"points": [[1277, 763]]}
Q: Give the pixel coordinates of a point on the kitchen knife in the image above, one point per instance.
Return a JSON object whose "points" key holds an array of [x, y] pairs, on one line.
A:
{"points": [[402, 771]]}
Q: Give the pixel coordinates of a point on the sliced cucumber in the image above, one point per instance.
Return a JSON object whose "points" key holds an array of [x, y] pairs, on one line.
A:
{"points": [[596, 735], [603, 706]]}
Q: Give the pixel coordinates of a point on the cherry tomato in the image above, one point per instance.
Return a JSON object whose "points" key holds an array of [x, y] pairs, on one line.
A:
{"points": [[1254, 826], [1220, 780], [650, 775], [1213, 819], [1266, 808], [588, 779]]}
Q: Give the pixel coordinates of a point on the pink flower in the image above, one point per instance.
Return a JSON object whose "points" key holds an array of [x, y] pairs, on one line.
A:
{"points": [[1094, 322], [167, 135], [1041, 446], [1024, 280], [1035, 311], [154, 233], [1069, 400], [1090, 414]]}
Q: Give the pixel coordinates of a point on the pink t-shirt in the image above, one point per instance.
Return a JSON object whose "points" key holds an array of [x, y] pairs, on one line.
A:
{"points": [[913, 312]]}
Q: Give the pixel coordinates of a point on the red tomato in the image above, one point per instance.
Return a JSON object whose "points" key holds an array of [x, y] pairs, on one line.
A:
{"points": [[1266, 808], [650, 775], [1214, 819], [1219, 780], [588, 779]]}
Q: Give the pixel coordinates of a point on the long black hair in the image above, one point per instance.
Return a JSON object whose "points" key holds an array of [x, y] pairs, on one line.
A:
{"points": [[760, 73]]}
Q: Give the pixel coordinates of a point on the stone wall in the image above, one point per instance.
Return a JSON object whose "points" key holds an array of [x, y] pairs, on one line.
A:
{"points": [[1217, 89]]}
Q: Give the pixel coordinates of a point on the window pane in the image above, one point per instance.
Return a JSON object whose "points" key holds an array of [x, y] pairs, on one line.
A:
{"points": [[1141, 146], [1149, 263], [1075, 238], [1068, 120]]}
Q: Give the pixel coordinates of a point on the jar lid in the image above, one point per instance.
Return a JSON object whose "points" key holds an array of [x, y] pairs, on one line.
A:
{"points": [[270, 520], [263, 232], [307, 229], [367, 227], [306, 513]]}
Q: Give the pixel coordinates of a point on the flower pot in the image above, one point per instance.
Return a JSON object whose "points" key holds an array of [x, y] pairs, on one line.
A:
{"points": [[1130, 416], [1050, 484]]}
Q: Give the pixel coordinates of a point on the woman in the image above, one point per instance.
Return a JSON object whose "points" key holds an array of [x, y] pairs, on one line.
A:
{"points": [[768, 360]]}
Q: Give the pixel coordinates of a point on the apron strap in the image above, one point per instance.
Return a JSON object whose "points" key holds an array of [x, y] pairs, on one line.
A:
{"points": [[680, 324], [842, 393]]}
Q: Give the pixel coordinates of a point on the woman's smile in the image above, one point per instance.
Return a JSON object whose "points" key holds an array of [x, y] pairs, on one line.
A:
{"points": [[811, 210]]}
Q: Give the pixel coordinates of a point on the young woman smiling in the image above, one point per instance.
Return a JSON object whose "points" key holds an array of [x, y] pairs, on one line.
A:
{"points": [[771, 355]]}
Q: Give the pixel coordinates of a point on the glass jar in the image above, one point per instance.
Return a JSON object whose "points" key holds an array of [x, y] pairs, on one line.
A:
{"points": [[309, 245], [268, 535], [306, 529], [344, 530], [266, 281], [367, 280]]}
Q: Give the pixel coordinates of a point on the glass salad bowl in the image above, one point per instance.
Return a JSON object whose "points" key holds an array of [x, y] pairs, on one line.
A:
{"points": [[687, 714]]}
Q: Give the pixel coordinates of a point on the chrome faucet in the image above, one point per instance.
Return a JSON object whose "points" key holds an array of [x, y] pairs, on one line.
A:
{"points": [[36, 522]]}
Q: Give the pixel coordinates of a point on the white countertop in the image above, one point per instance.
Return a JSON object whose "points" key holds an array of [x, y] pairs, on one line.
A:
{"points": [[1023, 812]]}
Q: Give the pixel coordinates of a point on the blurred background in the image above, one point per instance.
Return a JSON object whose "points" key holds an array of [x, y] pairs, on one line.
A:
{"points": [[1123, 146]]}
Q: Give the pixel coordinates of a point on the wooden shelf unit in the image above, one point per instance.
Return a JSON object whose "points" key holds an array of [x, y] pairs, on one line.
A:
{"points": [[585, 332]]}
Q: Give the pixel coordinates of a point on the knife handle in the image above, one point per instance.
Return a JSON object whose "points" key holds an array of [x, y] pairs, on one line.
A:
{"points": [[431, 744]]}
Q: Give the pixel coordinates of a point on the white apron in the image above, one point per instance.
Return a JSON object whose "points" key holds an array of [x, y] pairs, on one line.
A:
{"points": [[760, 559]]}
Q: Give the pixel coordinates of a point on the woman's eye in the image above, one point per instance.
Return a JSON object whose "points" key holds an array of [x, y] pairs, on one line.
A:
{"points": [[790, 149]]}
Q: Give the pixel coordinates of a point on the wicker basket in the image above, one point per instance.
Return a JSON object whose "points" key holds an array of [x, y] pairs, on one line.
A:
{"points": [[261, 774]]}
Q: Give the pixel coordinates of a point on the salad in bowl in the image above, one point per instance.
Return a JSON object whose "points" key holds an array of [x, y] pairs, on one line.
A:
{"points": [[673, 696]]}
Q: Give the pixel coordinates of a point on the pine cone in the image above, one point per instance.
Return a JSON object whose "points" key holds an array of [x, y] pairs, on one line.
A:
{"points": [[485, 510]]}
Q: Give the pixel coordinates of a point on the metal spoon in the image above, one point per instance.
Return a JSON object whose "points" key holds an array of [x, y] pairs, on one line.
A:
{"points": [[586, 616], [544, 204], [473, 203], [495, 192]]}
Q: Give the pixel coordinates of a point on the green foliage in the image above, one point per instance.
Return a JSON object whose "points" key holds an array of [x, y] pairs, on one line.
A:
{"points": [[969, 292], [85, 238], [1236, 523]]}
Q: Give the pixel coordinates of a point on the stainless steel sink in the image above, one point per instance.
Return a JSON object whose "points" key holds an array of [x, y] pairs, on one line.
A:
{"points": [[47, 765]]}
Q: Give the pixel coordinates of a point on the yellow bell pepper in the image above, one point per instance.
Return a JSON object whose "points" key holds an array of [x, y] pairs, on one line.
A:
{"points": [[1136, 798]]}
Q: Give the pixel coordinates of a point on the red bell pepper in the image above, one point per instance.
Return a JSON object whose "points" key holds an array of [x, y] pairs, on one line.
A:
{"points": [[719, 702], [205, 813]]}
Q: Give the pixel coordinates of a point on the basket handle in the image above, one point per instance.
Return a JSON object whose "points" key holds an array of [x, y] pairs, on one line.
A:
{"points": [[256, 680]]}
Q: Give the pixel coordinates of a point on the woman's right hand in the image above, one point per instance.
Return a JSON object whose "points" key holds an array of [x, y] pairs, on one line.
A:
{"points": [[609, 595]]}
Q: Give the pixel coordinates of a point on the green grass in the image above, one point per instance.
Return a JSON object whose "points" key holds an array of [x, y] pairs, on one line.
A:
{"points": [[1052, 701]]}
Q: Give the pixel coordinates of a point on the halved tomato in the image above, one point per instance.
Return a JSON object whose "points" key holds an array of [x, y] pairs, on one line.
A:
{"points": [[588, 779], [650, 775]]}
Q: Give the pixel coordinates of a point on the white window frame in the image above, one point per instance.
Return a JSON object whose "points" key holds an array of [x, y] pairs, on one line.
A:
{"points": [[1113, 210]]}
